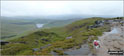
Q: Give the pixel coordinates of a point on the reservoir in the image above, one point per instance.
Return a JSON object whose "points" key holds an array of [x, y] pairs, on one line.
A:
{"points": [[39, 25]]}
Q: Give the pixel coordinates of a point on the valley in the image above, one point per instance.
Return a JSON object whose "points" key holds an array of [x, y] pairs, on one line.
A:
{"points": [[12, 28]]}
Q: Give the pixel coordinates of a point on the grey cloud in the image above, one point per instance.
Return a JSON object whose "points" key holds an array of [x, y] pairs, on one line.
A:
{"points": [[44, 8]]}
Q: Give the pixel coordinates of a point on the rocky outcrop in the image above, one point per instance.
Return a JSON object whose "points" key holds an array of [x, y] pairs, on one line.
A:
{"points": [[4, 42]]}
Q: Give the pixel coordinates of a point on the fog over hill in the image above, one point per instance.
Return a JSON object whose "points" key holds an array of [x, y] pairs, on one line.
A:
{"points": [[58, 17]]}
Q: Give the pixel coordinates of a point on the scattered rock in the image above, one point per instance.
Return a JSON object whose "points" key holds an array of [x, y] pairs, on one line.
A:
{"points": [[45, 46], [44, 39], [69, 37], [35, 49]]}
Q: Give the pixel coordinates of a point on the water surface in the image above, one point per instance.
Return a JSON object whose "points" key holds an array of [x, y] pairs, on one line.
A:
{"points": [[114, 31], [39, 25]]}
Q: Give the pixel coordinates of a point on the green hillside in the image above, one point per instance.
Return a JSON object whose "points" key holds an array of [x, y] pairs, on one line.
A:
{"points": [[12, 27], [59, 23], [47, 40]]}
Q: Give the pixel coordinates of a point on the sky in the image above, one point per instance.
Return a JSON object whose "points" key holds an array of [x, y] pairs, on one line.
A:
{"points": [[46, 8]]}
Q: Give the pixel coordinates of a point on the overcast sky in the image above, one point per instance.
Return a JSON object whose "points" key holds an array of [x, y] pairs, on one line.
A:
{"points": [[44, 8]]}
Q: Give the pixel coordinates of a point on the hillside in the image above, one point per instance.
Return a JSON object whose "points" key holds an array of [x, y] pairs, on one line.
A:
{"points": [[13, 27], [59, 23], [57, 39]]}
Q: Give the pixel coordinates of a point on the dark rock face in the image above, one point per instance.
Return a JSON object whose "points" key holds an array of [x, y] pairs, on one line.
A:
{"points": [[92, 26], [97, 24], [44, 39], [3, 42], [100, 23]]}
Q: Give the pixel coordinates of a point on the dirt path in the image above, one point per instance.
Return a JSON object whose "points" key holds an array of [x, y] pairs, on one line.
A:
{"points": [[113, 40]]}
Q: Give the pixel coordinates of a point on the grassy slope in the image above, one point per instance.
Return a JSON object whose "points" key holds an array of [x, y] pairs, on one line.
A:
{"points": [[59, 23], [55, 36], [14, 27], [8, 28]]}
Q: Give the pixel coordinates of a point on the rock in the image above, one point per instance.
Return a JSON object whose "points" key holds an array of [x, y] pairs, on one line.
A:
{"points": [[69, 37], [3, 42], [58, 49], [35, 49], [44, 39], [45, 46], [90, 27]]}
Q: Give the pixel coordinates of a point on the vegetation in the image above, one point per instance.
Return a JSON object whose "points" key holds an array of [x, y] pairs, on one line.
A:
{"points": [[56, 37], [12, 28]]}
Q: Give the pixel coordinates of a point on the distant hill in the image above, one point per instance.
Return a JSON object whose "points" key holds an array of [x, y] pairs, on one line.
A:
{"points": [[59, 23], [11, 27], [14, 27]]}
